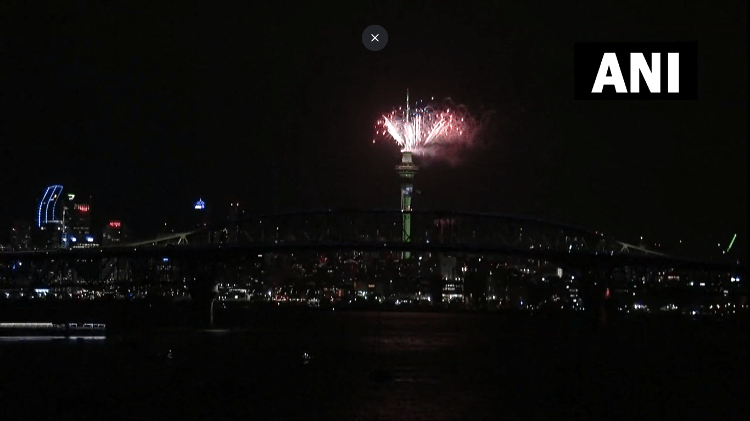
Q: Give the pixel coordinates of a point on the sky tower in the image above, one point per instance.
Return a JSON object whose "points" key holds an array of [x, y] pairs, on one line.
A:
{"points": [[406, 171]]}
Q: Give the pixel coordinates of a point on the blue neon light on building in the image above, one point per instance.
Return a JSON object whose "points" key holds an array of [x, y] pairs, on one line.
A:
{"points": [[200, 204], [44, 214]]}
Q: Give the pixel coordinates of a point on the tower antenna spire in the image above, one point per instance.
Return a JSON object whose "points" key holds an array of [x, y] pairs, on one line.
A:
{"points": [[408, 114]]}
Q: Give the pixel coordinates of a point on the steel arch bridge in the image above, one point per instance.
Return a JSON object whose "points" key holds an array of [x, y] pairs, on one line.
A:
{"points": [[199, 258], [380, 230], [427, 227]]}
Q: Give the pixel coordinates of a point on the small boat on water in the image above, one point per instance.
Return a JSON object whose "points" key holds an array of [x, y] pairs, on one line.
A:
{"points": [[52, 329]]}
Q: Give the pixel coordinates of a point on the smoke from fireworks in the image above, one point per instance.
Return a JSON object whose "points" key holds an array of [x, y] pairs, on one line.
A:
{"points": [[425, 129]]}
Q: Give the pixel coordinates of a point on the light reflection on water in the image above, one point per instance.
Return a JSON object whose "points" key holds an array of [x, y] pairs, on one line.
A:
{"points": [[417, 344], [49, 338]]}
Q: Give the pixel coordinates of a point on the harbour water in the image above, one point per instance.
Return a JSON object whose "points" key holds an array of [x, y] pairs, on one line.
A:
{"points": [[370, 365]]}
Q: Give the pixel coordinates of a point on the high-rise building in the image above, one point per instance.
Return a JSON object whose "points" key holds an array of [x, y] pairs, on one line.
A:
{"points": [[47, 211], [201, 218], [453, 279], [50, 219], [20, 235], [80, 218], [233, 225], [114, 232], [77, 223]]}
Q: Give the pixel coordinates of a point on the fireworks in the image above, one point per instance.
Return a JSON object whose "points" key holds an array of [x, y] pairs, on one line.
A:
{"points": [[417, 129]]}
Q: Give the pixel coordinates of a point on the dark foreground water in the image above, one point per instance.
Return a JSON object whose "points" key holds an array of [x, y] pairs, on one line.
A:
{"points": [[429, 366]]}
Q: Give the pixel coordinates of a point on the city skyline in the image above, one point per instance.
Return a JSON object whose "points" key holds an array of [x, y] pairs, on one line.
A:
{"points": [[234, 212], [146, 125]]}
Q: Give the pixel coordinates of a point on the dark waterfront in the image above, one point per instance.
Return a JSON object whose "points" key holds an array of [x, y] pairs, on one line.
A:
{"points": [[429, 366]]}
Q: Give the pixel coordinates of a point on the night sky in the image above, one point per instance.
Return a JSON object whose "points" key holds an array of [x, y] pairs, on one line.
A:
{"points": [[147, 109]]}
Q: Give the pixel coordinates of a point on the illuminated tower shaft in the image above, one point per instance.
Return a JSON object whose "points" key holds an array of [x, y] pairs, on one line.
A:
{"points": [[406, 171]]}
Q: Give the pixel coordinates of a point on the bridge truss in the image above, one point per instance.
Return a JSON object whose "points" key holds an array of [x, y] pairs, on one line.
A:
{"points": [[448, 233], [436, 228]]}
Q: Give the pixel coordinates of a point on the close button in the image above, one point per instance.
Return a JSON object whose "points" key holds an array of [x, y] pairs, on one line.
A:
{"points": [[375, 38]]}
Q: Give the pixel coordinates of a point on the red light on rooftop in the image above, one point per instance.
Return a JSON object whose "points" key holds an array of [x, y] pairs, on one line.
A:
{"points": [[115, 224], [82, 208]]}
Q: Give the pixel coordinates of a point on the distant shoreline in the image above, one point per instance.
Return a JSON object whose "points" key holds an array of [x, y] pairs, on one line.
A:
{"points": [[123, 316]]}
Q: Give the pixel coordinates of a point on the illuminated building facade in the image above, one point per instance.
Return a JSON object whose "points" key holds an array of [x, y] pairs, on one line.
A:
{"points": [[49, 209], [200, 214], [50, 219], [80, 221], [453, 285], [77, 224], [201, 217], [114, 232]]}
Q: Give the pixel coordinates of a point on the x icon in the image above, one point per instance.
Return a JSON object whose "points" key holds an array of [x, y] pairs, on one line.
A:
{"points": [[374, 37]]}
